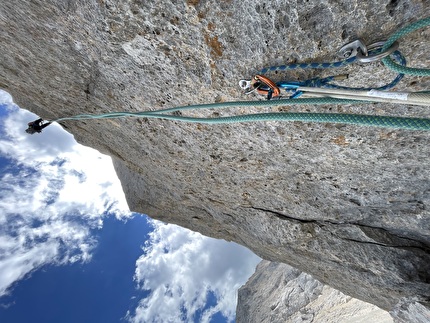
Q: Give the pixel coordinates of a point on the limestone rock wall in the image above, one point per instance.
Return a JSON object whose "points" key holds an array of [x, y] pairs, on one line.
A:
{"points": [[347, 204], [279, 293]]}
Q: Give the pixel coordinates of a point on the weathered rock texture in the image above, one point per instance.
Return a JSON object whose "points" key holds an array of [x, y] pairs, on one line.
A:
{"points": [[279, 293], [347, 204]]}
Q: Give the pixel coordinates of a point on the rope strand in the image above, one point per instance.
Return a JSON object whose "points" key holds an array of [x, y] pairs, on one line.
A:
{"points": [[364, 120], [399, 34]]}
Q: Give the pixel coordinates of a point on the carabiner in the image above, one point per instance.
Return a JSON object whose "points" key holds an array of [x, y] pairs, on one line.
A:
{"points": [[262, 84], [358, 49], [353, 48], [376, 57], [272, 91], [245, 84]]}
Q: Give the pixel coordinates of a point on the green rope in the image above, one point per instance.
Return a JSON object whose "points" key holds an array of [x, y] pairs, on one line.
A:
{"points": [[355, 119], [391, 64], [219, 105], [363, 120]]}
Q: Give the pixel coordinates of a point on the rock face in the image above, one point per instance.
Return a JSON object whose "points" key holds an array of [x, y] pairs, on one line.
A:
{"points": [[347, 204], [279, 293]]}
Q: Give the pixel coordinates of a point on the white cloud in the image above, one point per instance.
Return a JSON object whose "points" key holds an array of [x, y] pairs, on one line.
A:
{"points": [[57, 191], [181, 268], [53, 193], [49, 144]]}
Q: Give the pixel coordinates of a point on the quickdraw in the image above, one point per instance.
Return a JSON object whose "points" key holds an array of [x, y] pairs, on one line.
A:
{"points": [[320, 90], [352, 52]]}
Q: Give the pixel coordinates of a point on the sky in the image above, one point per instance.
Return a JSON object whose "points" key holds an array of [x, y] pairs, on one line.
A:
{"points": [[72, 251]]}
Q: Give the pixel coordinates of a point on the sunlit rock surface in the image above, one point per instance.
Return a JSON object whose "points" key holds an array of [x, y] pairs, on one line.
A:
{"points": [[347, 204], [279, 293]]}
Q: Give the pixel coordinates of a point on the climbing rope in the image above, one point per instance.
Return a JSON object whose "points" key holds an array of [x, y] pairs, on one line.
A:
{"points": [[354, 50], [388, 61], [363, 120], [356, 119], [325, 82], [397, 35]]}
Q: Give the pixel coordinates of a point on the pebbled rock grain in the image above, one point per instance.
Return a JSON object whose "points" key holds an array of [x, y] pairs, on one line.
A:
{"points": [[347, 204]]}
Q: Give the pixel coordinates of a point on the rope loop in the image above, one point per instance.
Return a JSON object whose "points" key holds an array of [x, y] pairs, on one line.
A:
{"points": [[385, 51], [291, 86], [363, 120], [399, 34], [272, 89]]}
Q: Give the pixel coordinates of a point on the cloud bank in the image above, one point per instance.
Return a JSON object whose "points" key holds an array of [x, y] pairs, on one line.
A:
{"points": [[183, 270], [54, 191]]}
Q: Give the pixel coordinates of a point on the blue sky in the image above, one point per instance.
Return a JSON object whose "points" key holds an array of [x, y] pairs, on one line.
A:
{"points": [[71, 251], [89, 289]]}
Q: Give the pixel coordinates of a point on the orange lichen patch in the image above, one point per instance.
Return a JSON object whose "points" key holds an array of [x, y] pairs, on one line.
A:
{"points": [[215, 45], [193, 2], [201, 15], [340, 141], [211, 26], [215, 73]]}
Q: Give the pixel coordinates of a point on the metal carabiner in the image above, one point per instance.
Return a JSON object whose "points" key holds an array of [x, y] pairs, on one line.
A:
{"points": [[262, 84], [353, 48], [248, 86], [271, 90], [245, 84], [358, 49], [376, 57]]}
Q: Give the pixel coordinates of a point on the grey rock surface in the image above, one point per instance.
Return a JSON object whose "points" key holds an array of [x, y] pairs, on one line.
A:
{"points": [[410, 310], [347, 204], [279, 293]]}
